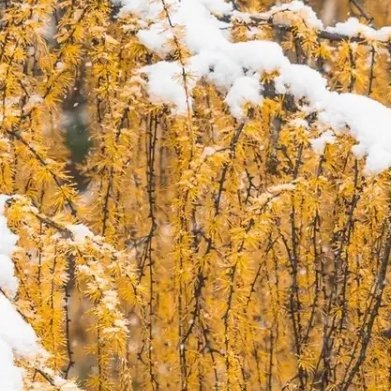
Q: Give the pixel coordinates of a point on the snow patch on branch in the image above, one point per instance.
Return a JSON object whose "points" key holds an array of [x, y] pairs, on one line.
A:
{"points": [[303, 11], [164, 86], [80, 233], [245, 89], [368, 121], [17, 338], [8, 281], [353, 28], [236, 70]]}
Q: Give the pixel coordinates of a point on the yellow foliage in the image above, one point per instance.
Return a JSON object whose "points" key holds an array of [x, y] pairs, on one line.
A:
{"points": [[220, 254]]}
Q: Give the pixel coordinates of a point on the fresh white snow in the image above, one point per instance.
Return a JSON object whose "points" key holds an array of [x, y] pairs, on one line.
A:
{"points": [[353, 28], [8, 281], [236, 68], [17, 338]]}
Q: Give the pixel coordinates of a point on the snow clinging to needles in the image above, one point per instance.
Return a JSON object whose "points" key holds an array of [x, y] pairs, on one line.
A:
{"points": [[237, 68]]}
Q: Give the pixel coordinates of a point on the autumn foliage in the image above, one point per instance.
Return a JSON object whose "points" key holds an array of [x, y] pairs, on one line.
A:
{"points": [[210, 238]]}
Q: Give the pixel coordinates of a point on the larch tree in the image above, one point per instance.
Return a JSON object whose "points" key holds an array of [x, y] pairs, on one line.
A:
{"points": [[226, 224]]}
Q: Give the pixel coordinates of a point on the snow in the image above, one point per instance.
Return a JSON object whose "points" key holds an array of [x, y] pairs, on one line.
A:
{"points": [[214, 57], [299, 123], [8, 281], [258, 56], [236, 69], [302, 82], [80, 232], [319, 144], [151, 9], [15, 332], [305, 12], [217, 6], [245, 89], [228, 65], [369, 122], [11, 377], [17, 338], [384, 34], [208, 151], [164, 86], [217, 68], [353, 28], [283, 14], [155, 39], [148, 10], [199, 37]]}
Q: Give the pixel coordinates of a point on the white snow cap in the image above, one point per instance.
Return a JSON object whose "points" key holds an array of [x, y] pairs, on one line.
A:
{"points": [[236, 69], [224, 63], [164, 86], [8, 281], [245, 89], [17, 338], [80, 232], [369, 122], [298, 7], [353, 28]]}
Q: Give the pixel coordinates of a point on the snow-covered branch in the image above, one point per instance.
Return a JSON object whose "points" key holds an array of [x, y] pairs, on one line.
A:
{"points": [[18, 340], [236, 69]]}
